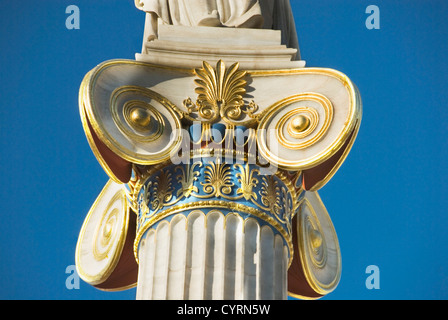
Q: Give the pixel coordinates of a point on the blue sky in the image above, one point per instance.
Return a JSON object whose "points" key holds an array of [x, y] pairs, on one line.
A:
{"points": [[388, 201]]}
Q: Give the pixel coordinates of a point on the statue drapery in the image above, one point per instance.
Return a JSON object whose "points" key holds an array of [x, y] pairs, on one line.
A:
{"points": [[265, 14]]}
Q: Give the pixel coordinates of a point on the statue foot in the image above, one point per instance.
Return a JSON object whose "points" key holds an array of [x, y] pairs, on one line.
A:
{"points": [[211, 20]]}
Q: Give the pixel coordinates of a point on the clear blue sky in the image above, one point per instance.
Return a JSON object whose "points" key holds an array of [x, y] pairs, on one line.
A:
{"points": [[388, 202]]}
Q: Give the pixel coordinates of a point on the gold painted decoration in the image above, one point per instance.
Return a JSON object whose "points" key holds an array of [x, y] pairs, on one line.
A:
{"points": [[306, 129], [137, 124], [304, 121], [187, 177], [149, 128], [220, 96], [107, 229], [162, 191], [319, 250], [118, 169], [247, 180], [292, 125], [316, 178], [103, 234], [217, 180]]}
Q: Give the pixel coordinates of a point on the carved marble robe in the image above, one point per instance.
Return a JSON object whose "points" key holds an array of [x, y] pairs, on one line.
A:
{"points": [[266, 14]]}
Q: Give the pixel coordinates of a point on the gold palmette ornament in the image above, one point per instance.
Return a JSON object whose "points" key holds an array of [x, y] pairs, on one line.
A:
{"points": [[215, 197]]}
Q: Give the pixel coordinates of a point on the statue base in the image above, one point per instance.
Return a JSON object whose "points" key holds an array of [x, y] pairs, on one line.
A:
{"points": [[188, 47]]}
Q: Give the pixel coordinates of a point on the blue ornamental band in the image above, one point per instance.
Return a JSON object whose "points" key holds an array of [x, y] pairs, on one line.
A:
{"points": [[209, 184]]}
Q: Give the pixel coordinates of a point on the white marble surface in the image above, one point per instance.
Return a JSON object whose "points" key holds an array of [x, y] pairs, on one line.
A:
{"points": [[268, 89], [213, 257], [102, 236], [318, 241], [188, 47]]}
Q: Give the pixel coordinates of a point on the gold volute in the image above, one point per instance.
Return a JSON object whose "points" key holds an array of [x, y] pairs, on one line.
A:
{"points": [[140, 119], [316, 239], [299, 124]]}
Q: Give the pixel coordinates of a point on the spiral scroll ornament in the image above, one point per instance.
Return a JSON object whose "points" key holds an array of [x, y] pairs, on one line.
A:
{"points": [[103, 235], [318, 245], [292, 132], [108, 230], [137, 124], [149, 126]]}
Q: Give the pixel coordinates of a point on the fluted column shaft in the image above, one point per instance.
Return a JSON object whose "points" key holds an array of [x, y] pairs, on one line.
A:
{"points": [[213, 256]]}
